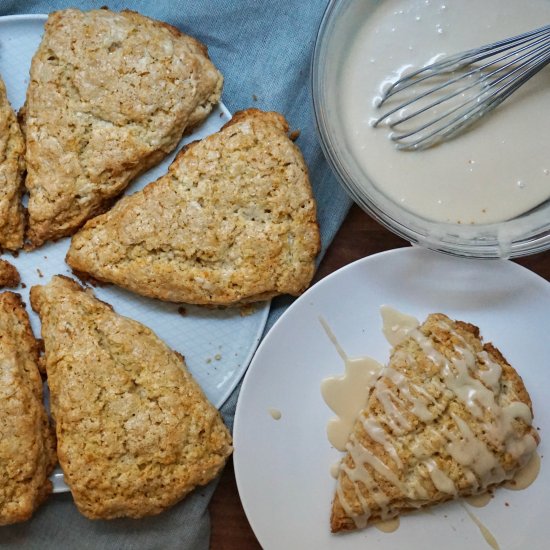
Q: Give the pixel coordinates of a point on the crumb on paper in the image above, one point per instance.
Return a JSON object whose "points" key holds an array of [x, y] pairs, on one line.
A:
{"points": [[217, 357], [182, 311], [254, 97], [275, 414], [209, 359], [40, 274]]}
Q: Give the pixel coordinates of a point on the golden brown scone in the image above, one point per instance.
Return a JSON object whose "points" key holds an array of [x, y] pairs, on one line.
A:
{"points": [[447, 418], [135, 432], [233, 221], [9, 276], [27, 443], [12, 167], [110, 95]]}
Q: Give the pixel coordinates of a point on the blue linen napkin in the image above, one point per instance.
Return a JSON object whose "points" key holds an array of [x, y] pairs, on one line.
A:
{"points": [[263, 48]]}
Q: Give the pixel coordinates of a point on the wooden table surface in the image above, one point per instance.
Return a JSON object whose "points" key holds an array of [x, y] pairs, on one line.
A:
{"points": [[358, 237]]}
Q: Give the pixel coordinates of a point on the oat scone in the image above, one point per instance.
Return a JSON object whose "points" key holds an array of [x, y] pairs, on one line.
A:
{"points": [[12, 167], [27, 443], [135, 431], [110, 95], [448, 417], [9, 276], [233, 221]]}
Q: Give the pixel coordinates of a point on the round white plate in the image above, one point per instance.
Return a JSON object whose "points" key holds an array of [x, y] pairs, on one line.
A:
{"points": [[283, 466], [217, 343]]}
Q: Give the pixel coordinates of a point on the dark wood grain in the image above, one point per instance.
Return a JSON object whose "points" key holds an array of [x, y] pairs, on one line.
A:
{"points": [[358, 237]]}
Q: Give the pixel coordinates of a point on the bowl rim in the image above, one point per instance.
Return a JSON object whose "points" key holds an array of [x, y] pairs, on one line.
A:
{"points": [[495, 241]]}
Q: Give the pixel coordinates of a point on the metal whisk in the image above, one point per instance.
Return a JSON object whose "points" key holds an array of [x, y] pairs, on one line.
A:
{"points": [[445, 97]]}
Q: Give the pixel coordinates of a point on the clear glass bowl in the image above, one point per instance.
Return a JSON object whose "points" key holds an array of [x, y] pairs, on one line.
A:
{"points": [[521, 236]]}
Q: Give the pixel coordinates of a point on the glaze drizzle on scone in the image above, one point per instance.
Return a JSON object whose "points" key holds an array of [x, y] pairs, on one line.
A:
{"points": [[447, 417]]}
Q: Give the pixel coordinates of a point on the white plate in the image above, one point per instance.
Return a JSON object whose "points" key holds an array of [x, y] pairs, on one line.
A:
{"points": [[217, 344], [283, 466]]}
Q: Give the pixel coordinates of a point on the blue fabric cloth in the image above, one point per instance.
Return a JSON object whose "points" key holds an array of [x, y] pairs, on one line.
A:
{"points": [[263, 48]]}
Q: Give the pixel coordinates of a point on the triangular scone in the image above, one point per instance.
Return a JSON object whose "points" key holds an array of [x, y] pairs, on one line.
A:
{"points": [[110, 95], [233, 221], [448, 417], [27, 443], [12, 167], [135, 432]]}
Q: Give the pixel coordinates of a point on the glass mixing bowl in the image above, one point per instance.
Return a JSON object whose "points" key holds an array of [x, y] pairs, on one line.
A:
{"points": [[521, 236]]}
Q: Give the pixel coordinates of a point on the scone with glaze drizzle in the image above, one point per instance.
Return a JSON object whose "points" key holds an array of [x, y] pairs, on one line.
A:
{"points": [[110, 95], [233, 221], [135, 431], [447, 417]]}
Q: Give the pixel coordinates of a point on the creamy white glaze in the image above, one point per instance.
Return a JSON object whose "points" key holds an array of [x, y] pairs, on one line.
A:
{"points": [[479, 500], [400, 398], [347, 394], [526, 475], [487, 535], [441, 480], [396, 325], [388, 525], [495, 172]]}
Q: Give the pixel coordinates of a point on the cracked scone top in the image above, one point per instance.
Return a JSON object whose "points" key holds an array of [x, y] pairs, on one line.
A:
{"points": [[110, 95], [448, 417], [27, 443], [12, 166], [233, 221], [135, 431]]}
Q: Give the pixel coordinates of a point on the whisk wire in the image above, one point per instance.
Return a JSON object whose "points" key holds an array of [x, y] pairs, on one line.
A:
{"points": [[460, 121], [523, 57], [460, 60], [527, 58]]}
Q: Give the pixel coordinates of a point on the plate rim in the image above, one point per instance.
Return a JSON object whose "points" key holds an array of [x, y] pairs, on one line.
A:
{"points": [[240, 468], [24, 16]]}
